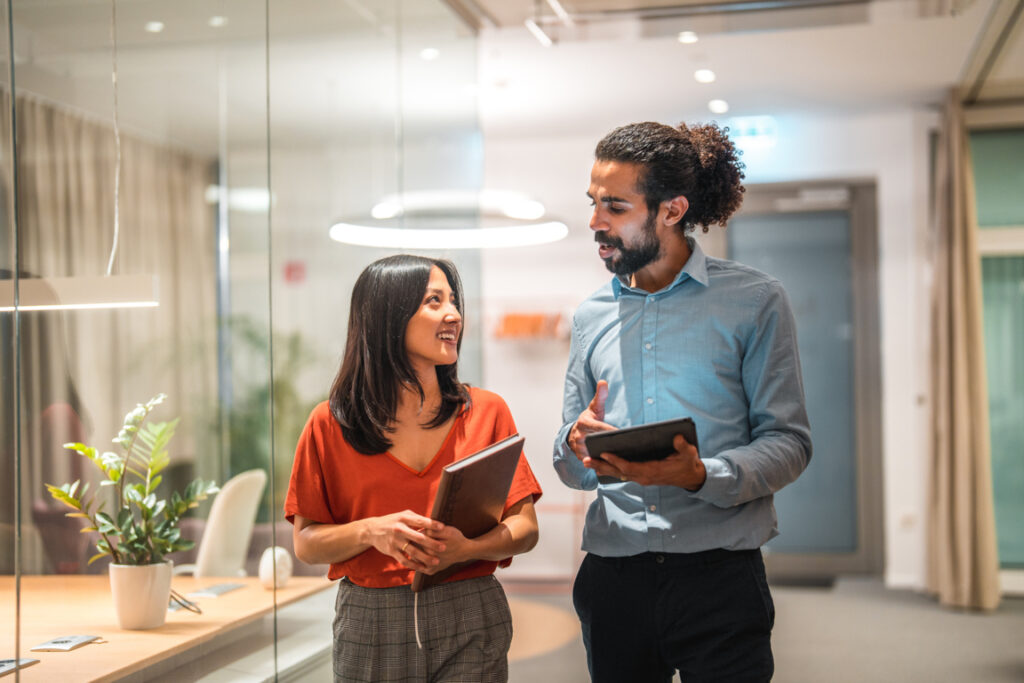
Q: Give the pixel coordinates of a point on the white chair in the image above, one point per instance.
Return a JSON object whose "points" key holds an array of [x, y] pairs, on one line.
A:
{"points": [[225, 542]]}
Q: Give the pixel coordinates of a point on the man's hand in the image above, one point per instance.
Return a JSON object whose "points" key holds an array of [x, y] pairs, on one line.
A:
{"points": [[683, 468], [590, 420]]}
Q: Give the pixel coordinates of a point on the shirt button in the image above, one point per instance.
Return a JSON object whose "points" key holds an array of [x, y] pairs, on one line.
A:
{"points": [[648, 346], [660, 559], [650, 400]]}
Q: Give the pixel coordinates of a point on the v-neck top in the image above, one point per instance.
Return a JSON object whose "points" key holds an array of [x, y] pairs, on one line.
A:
{"points": [[332, 483]]}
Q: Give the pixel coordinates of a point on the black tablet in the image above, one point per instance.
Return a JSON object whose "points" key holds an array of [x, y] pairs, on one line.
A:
{"points": [[641, 443]]}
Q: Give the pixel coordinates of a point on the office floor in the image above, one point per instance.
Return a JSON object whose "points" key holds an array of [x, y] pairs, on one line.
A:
{"points": [[854, 631]]}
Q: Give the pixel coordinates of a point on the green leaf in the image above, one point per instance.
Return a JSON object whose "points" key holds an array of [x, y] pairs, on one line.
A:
{"points": [[61, 494], [133, 493], [106, 524], [142, 528], [141, 474]]}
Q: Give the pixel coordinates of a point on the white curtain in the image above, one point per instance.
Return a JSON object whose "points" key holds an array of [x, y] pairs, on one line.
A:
{"points": [[81, 371]]}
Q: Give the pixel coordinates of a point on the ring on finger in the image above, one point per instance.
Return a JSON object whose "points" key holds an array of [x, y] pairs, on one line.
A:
{"points": [[405, 546]]}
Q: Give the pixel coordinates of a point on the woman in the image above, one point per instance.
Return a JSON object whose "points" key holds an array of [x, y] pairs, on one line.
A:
{"points": [[366, 469]]}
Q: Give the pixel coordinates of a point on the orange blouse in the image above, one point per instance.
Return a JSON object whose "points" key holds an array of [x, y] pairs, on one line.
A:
{"points": [[332, 483]]}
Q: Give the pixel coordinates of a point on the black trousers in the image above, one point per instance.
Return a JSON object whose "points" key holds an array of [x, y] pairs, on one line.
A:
{"points": [[708, 615]]}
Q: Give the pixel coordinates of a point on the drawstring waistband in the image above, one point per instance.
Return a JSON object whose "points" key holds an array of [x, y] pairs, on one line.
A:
{"points": [[416, 618]]}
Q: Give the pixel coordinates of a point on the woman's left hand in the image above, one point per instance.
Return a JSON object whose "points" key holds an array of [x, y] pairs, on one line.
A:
{"points": [[457, 548]]}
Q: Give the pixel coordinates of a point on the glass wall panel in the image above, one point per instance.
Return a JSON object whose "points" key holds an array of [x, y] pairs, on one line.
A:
{"points": [[10, 460], [197, 153], [1003, 294], [998, 176], [128, 117], [367, 102]]}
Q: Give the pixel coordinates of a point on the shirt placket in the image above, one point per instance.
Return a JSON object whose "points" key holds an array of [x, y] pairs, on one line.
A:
{"points": [[649, 369]]}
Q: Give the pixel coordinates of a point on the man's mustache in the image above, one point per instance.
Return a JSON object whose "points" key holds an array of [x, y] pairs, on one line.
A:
{"points": [[607, 240]]}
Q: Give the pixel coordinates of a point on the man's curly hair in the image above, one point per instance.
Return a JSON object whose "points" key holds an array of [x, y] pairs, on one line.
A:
{"points": [[698, 162]]}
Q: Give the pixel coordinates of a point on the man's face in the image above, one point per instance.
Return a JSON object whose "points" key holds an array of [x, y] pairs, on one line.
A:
{"points": [[622, 225]]}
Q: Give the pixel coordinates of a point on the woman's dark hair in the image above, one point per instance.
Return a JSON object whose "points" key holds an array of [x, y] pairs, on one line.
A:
{"points": [[375, 367], [698, 162]]}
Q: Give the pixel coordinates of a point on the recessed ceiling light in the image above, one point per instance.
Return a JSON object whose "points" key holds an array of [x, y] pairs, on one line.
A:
{"points": [[217, 22], [718, 106], [560, 12], [704, 75], [154, 26], [688, 37], [429, 54], [537, 32]]}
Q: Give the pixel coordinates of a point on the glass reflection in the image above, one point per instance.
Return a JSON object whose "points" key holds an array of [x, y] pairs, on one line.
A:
{"points": [[241, 132]]}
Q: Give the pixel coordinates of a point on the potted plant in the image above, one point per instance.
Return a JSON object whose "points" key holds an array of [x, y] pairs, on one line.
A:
{"points": [[141, 529]]}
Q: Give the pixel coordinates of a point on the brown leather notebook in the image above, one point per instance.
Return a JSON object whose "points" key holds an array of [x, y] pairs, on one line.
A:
{"points": [[471, 496]]}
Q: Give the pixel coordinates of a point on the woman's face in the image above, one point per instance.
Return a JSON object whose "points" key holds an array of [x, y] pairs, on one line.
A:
{"points": [[432, 334]]}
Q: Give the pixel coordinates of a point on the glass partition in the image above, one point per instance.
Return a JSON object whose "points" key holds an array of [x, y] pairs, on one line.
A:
{"points": [[9, 378], [176, 170], [390, 109]]}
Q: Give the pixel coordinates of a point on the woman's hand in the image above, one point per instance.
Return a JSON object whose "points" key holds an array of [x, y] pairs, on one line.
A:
{"points": [[401, 535], [404, 536], [457, 548], [516, 533]]}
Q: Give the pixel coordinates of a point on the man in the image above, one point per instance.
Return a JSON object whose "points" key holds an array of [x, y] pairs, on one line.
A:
{"points": [[673, 578]]}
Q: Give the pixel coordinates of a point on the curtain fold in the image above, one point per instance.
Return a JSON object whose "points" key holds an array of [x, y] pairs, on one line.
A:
{"points": [[963, 562], [83, 370]]}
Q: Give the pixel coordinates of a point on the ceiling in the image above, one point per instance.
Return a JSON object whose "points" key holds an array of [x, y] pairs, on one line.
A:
{"points": [[616, 60], [332, 63], [504, 13]]}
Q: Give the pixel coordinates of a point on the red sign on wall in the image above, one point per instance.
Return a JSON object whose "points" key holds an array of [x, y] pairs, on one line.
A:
{"points": [[295, 272]]}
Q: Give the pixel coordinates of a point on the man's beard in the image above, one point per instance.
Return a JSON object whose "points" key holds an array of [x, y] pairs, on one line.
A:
{"points": [[631, 259]]}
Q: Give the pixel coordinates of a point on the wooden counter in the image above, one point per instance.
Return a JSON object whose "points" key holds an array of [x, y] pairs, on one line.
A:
{"points": [[53, 606]]}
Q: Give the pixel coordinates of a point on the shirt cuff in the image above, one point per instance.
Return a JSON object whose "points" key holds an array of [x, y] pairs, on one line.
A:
{"points": [[569, 468], [562, 450], [719, 480]]}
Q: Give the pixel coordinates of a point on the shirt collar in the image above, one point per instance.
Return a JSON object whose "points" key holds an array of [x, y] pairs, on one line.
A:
{"points": [[695, 268]]}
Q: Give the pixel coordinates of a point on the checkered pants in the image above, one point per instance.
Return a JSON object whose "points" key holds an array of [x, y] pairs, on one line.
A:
{"points": [[465, 627]]}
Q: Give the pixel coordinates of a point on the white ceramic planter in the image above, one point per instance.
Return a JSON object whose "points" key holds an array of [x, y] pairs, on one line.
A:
{"points": [[141, 593]]}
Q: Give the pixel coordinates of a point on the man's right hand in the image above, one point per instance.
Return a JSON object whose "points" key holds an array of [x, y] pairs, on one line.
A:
{"points": [[590, 420]]}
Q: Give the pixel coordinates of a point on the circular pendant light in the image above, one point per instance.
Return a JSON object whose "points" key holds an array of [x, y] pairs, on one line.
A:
{"points": [[451, 219]]}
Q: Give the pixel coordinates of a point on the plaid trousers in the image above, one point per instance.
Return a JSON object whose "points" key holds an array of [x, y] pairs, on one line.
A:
{"points": [[465, 628]]}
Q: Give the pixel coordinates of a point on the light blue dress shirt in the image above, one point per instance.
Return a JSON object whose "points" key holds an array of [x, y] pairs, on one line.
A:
{"points": [[719, 345]]}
